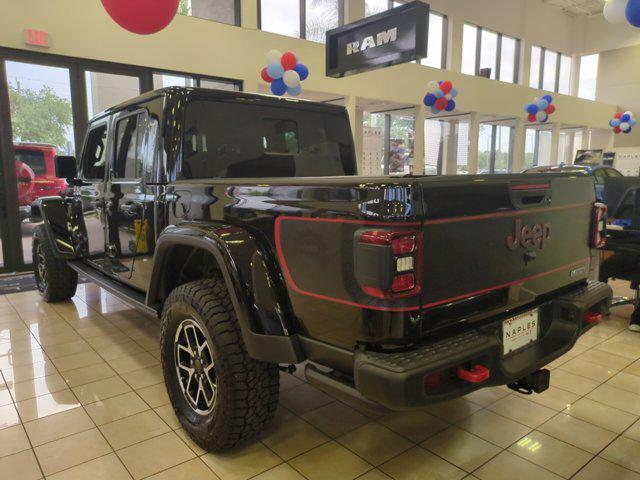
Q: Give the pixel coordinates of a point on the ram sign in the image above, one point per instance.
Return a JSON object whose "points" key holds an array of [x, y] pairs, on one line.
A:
{"points": [[388, 38]]}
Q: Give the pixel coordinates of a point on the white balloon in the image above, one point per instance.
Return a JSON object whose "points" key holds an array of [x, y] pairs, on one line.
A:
{"points": [[625, 127], [615, 11], [273, 56], [432, 85], [448, 96], [542, 116], [291, 78]]}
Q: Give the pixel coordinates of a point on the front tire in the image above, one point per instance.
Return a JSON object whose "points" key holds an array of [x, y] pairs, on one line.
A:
{"points": [[55, 280], [220, 395]]}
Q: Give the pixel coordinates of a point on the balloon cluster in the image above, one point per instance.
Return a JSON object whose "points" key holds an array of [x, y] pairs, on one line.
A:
{"points": [[440, 96], [622, 122], [540, 109], [284, 73], [619, 11]]}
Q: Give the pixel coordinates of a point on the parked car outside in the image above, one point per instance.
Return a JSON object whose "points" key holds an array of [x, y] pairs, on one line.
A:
{"points": [[35, 171]]}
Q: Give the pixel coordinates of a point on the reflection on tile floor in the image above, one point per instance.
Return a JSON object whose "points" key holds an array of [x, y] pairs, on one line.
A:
{"points": [[82, 396]]}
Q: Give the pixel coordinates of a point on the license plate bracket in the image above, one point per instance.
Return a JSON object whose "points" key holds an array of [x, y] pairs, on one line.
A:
{"points": [[520, 331]]}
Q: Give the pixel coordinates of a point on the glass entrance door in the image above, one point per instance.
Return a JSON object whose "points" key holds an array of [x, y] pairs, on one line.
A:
{"points": [[42, 127]]}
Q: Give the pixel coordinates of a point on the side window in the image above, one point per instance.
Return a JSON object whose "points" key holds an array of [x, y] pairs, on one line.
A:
{"points": [[135, 138], [612, 172], [94, 156]]}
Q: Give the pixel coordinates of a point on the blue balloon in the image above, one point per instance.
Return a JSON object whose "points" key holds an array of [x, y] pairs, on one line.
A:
{"points": [[302, 70], [543, 104], [633, 122], [548, 98], [615, 122], [632, 12], [278, 87], [612, 123], [438, 93], [627, 131], [454, 92], [625, 118], [429, 99], [275, 70], [295, 91], [434, 110], [451, 105], [532, 109]]}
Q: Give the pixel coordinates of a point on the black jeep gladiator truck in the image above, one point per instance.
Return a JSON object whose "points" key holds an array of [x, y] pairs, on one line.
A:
{"points": [[239, 221]]}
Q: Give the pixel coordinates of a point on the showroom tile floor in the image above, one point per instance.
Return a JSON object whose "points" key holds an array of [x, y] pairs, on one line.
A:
{"points": [[82, 396]]}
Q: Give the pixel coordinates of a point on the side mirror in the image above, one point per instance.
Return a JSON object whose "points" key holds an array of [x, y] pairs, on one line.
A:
{"points": [[65, 167]]}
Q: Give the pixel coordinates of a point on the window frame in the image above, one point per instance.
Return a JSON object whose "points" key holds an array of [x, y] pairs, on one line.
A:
{"points": [[197, 78], [237, 4], [541, 69], [500, 35], [303, 18], [445, 31]]}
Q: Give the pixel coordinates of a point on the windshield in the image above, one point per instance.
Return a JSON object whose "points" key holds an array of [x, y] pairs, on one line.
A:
{"points": [[234, 140]]}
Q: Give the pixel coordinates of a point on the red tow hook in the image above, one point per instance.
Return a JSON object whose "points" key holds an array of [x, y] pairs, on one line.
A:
{"points": [[477, 374], [592, 317]]}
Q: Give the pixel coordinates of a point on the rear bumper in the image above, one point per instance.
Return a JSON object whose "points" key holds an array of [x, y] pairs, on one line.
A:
{"points": [[397, 380]]}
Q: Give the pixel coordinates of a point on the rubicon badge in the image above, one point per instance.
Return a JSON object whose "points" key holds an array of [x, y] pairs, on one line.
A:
{"points": [[526, 236]]}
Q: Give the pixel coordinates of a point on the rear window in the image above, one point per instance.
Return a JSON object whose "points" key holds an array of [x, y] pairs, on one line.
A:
{"points": [[232, 140], [34, 159]]}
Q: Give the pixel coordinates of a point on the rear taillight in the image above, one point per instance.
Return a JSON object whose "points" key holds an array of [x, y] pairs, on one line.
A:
{"points": [[599, 225], [388, 263]]}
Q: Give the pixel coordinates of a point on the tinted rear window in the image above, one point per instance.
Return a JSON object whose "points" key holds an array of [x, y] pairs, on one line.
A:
{"points": [[33, 159], [231, 140]]}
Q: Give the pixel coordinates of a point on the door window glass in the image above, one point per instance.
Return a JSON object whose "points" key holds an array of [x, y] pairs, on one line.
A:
{"points": [[95, 155], [135, 138]]}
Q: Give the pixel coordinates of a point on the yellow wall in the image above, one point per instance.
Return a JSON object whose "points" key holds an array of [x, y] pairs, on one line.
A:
{"points": [[82, 28]]}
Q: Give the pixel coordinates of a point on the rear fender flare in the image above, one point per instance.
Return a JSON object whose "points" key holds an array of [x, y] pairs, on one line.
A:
{"points": [[281, 348]]}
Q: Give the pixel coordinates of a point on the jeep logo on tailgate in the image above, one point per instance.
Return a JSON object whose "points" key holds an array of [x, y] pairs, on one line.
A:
{"points": [[529, 235]]}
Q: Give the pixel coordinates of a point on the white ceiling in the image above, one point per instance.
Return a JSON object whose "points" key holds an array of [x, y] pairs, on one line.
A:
{"points": [[578, 7]]}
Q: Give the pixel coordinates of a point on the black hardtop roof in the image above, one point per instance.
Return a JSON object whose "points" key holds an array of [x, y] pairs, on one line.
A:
{"points": [[213, 94]]}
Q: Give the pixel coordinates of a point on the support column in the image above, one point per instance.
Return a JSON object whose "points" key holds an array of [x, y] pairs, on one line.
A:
{"points": [[474, 136], [586, 134], [353, 10], [249, 14], [355, 118], [555, 144], [419, 144], [519, 135], [450, 148], [454, 44]]}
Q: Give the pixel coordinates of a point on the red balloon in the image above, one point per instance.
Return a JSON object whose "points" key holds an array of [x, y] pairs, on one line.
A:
{"points": [[288, 60], [532, 118], [441, 103], [618, 115], [265, 76], [446, 86], [141, 16], [617, 130], [550, 109]]}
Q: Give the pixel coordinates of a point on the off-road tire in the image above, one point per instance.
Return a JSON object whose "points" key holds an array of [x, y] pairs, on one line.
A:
{"points": [[247, 389], [55, 280]]}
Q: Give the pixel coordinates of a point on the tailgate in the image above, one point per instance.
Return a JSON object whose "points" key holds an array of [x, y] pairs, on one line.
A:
{"points": [[518, 235]]}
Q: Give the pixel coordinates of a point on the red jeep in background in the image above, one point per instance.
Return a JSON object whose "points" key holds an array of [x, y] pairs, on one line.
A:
{"points": [[36, 174]]}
